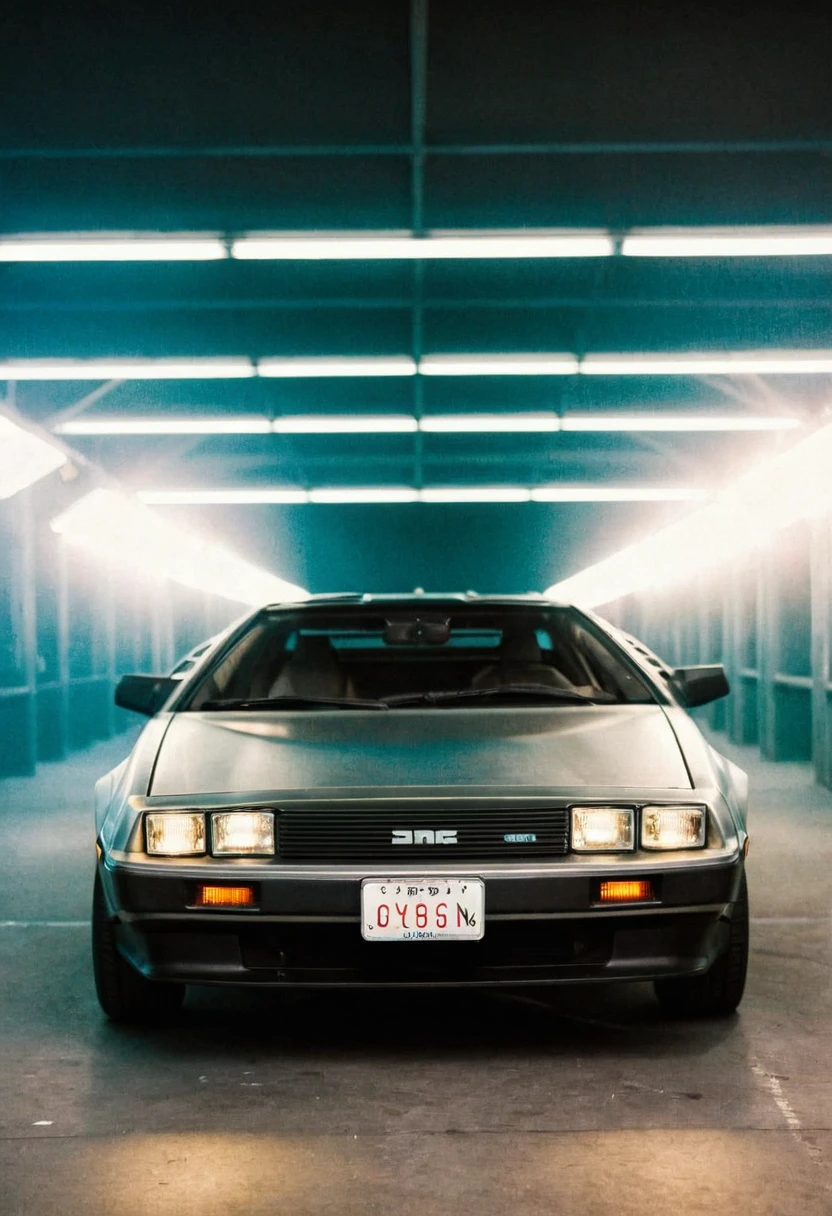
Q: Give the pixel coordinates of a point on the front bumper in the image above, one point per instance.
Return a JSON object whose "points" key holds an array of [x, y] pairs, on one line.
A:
{"points": [[541, 928]]}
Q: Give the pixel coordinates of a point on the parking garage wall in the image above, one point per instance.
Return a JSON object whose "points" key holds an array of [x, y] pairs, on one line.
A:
{"points": [[768, 619], [70, 625]]}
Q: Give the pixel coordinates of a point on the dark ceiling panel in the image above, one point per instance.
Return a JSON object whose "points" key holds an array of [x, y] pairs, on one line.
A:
{"points": [[93, 74], [628, 190], [235, 193], [529, 71], [625, 329], [221, 284], [230, 332]]}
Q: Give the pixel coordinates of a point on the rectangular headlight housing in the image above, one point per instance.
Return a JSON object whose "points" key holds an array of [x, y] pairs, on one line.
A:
{"points": [[242, 834], [673, 827], [175, 835], [603, 829]]}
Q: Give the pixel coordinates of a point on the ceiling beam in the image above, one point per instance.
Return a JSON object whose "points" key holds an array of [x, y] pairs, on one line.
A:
{"points": [[761, 147]]}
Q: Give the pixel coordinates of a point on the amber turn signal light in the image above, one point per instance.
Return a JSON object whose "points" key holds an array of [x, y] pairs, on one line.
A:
{"points": [[224, 897], [633, 891]]}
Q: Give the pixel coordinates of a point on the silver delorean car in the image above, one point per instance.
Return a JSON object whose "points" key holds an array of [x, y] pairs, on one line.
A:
{"points": [[385, 790]]}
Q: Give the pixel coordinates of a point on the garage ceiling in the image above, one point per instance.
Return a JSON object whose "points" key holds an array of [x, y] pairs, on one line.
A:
{"points": [[397, 116]]}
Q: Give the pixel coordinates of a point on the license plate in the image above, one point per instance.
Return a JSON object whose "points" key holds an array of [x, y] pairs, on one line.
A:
{"points": [[423, 910]]}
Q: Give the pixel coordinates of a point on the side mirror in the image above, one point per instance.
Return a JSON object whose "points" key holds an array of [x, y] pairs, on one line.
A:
{"points": [[700, 685], [144, 694]]}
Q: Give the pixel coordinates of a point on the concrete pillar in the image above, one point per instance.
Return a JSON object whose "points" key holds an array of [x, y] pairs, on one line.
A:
{"points": [[18, 701], [766, 654], [821, 580]]}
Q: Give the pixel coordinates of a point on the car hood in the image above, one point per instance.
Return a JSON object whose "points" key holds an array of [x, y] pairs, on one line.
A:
{"points": [[556, 748]]}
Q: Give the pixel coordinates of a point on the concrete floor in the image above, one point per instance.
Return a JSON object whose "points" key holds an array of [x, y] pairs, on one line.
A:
{"points": [[585, 1102]]}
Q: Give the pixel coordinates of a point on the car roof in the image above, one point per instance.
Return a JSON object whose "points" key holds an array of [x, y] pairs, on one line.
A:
{"points": [[420, 599]]}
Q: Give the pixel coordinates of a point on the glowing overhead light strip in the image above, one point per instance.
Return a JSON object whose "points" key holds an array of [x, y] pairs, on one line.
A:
{"points": [[24, 457], [475, 494], [790, 486], [394, 245], [120, 528], [344, 365], [736, 241], [714, 363], [676, 422], [370, 494], [144, 247], [345, 424], [616, 494], [748, 242], [532, 364], [407, 494], [451, 424], [696, 363], [472, 424], [127, 369]]}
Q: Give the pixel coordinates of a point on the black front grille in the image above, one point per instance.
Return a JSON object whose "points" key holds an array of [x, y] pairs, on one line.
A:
{"points": [[507, 945], [366, 835]]}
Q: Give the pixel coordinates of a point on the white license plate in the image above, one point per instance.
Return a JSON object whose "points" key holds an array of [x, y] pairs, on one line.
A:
{"points": [[423, 910]]}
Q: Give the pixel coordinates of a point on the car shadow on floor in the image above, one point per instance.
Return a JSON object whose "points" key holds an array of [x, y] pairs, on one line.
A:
{"points": [[621, 1020]]}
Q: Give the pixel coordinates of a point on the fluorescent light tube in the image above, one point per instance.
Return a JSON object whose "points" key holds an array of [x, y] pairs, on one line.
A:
{"points": [[393, 424], [615, 494], [123, 530], [369, 494], [118, 247], [745, 516], [345, 424], [404, 246], [342, 495], [475, 494], [165, 426], [342, 365], [727, 242], [536, 364], [126, 369], [495, 424], [713, 363], [697, 363], [689, 422], [24, 457]]}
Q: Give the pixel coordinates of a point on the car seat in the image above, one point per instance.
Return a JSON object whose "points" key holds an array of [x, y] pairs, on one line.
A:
{"points": [[312, 670], [520, 662]]}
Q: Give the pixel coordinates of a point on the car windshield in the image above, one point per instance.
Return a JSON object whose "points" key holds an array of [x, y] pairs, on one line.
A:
{"points": [[324, 658]]}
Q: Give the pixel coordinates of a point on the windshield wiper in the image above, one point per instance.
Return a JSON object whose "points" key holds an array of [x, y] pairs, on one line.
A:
{"points": [[292, 700], [501, 690]]}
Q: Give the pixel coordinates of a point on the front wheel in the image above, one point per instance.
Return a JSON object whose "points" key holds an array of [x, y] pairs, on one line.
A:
{"points": [[124, 994], [719, 991]]}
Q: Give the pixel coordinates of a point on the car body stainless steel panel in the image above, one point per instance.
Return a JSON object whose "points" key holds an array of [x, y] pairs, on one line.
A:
{"points": [[612, 746]]}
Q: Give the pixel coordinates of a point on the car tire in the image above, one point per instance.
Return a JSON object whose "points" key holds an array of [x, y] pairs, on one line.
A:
{"points": [[719, 991], [124, 994]]}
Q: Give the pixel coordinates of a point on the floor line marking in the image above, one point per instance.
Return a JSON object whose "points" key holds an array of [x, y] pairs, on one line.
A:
{"points": [[776, 1093], [44, 924], [775, 1089]]}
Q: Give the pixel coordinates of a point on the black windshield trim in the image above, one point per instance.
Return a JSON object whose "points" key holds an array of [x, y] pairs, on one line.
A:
{"points": [[284, 702], [510, 690]]}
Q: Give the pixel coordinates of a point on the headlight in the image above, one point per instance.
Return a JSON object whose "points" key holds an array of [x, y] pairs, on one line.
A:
{"points": [[242, 834], [602, 829], [175, 835], [673, 827]]}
